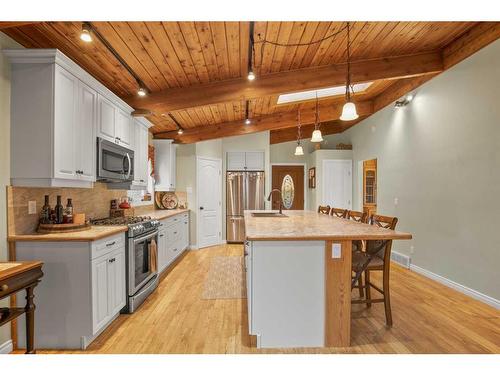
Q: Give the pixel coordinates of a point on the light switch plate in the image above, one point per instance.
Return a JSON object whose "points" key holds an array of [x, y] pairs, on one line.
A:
{"points": [[336, 251], [31, 207]]}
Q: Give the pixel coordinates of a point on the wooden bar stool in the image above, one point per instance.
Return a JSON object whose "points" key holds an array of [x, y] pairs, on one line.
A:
{"points": [[376, 257], [338, 212], [358, 245], [324, 210]]}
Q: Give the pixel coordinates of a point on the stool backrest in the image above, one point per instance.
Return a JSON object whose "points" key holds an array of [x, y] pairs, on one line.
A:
{"points": [[338, 212], [324, 210], [360, 217]]}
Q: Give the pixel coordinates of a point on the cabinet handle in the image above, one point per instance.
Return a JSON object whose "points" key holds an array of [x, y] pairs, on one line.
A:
{"points": [[161, 235], [175, 249], [246, 254], [4, 288], [111, 243]]}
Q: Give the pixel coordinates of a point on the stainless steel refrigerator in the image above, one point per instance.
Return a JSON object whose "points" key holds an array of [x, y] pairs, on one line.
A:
{"points": [[244, 191]]}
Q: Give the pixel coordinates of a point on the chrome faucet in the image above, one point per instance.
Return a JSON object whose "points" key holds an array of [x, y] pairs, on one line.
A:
{"points": [[281, 198]]}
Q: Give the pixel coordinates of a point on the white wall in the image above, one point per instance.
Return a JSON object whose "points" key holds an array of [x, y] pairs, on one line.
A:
{"points": [[440, 156], [5, 42]]}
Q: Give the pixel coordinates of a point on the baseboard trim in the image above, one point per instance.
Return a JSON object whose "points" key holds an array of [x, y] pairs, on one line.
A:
{"points": [[458, 287], [7, 347]]}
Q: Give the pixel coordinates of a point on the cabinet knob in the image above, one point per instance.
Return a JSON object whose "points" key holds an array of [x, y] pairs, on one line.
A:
{"points": [[201, 208], [4, 288]]}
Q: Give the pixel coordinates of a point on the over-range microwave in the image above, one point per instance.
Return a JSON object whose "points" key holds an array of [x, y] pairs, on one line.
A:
{"points": [[114, 162]]}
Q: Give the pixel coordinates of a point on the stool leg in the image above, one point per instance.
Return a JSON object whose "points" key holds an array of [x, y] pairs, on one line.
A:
{"points": [[30, 321], [361, 287], [387, 299], [368, 291]]}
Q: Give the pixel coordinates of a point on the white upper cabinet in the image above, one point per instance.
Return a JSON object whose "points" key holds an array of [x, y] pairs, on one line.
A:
{"points": [[114, 124], [65, 124], [107, 115], [254, 160], [123, 128], [57, 110], [245, 161], [165, 159], [85, 146], [235, 161], [141, 138]]}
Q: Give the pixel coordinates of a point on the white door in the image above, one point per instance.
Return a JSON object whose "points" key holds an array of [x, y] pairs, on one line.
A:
{"points": [[209, 193], [337, 184], [85, 143]]}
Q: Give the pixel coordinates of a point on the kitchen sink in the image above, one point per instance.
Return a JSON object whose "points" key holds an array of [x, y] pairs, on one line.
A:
{"points": [[268, 214]]}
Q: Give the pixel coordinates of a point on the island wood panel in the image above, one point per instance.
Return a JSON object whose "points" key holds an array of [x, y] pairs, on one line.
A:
{"points": [[338, 295]]}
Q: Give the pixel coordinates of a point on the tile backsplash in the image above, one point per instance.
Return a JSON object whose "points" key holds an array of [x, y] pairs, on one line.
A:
{"points": [[95, 203]]}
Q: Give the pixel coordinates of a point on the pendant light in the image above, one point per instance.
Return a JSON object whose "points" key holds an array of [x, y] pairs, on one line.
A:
{"points": [[316, 135], [299, 151], [349, 110]]}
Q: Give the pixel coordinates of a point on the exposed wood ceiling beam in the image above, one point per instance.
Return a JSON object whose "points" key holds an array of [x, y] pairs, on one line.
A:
{"points": [[470, 42], [290, 81], [275, 121], [7, 25], [466, 45]]}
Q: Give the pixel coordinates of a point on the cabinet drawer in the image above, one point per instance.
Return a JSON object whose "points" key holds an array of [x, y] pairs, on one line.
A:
{"points": [[174, 233], [106, 245]]}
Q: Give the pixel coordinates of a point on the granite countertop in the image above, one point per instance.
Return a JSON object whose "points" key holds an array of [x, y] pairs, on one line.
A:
{"points": [[309, 225], [96, 232]]}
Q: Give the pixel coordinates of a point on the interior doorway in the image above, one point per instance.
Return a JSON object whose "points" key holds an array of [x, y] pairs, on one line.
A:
{"points": [[370, 186], [209, 199], [296, 172]]}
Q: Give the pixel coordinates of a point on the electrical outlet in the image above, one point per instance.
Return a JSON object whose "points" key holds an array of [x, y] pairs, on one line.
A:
{"points": [[396, 201], [412, 249], [31, 207], [336, 251]]}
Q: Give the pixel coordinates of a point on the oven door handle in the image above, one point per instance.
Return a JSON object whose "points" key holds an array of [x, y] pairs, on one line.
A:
{"points": [[146, 237]]}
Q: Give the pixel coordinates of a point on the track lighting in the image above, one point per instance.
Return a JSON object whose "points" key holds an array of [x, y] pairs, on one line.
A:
{"points": [[251, 75], [85, 34], [404, 101], [180, 131], [142, 91], [247, 121]]}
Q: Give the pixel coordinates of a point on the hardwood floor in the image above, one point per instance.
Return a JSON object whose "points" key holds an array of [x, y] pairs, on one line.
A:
{"points": [[428, 318]]}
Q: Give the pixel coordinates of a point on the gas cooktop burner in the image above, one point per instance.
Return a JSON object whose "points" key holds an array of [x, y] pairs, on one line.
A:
{"points": [[127, 220]]}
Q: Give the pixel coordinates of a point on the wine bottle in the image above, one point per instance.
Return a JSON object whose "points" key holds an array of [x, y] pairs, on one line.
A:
{"points": [[59, 211], [69, 212], [45, 214]]}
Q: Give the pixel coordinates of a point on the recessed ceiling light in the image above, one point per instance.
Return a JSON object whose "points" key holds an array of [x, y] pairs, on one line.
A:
{"points": [[322, 93], [85, 34]]}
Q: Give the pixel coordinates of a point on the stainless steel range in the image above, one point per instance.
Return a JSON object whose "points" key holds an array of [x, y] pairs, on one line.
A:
{"points": [[141, 254]]}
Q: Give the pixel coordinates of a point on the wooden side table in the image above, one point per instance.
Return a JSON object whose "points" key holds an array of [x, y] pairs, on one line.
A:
{"points": [[14, 277]]}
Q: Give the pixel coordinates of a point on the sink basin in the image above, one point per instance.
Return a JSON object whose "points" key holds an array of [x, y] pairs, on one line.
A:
{"points": [[268, 214]]}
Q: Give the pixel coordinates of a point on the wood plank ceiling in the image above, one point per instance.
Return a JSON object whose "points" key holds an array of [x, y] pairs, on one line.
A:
{"points": [[174, 57]]}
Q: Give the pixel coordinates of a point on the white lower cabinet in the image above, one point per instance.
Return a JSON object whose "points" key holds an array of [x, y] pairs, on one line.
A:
{"points": [[82, 291], [108, 287], [173, 239]]}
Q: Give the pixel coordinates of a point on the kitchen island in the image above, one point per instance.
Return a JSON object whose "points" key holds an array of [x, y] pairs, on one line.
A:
{"points": [[299, 277]]}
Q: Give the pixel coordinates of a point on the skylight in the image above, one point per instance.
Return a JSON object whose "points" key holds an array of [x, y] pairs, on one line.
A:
{"points": [[322, 93]]}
